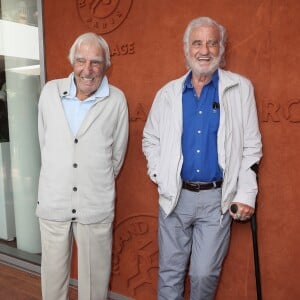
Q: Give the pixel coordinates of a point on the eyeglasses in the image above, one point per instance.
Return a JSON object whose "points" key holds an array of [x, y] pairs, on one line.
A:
{"points": [[209, 44], [94, 62]]}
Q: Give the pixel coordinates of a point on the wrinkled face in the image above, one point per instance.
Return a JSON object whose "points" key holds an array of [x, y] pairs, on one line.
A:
{"points": [[89, 69], [203, 55]]}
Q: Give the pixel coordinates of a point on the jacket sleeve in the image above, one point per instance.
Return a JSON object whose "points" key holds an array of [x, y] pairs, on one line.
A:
{"points": [[252, 149], [41, 121], [120, 138], [151, 138]]}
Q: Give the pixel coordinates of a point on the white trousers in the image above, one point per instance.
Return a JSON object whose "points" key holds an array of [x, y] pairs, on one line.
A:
{"points": [[94, 244]]}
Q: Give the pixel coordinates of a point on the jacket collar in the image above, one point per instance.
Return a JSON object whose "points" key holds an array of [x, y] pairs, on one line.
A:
{"points": [[227, 80], [64, 86]]}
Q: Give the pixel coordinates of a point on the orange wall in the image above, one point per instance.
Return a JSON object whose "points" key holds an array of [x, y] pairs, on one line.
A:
{"points": [[146, 42]]}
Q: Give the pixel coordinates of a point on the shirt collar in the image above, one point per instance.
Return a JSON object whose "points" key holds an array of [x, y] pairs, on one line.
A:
{"points": [[215, 79], [101, 92], [188, 81]]}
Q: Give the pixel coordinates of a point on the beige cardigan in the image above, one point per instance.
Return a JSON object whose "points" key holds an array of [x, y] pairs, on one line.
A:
{"points": [[77, 178]]}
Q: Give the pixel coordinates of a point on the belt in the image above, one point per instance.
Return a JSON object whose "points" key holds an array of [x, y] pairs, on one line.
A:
{"points": [[196, 186]]}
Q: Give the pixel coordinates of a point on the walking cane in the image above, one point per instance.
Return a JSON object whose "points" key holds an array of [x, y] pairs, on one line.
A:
{"points": [[253, 223], [256, 256]]}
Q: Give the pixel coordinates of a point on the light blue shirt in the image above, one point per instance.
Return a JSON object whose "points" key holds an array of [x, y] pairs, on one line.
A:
{"points": [[75, 109]]}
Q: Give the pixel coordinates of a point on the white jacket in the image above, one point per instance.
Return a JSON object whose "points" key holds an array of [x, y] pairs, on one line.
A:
{"points": [[239, 141]]}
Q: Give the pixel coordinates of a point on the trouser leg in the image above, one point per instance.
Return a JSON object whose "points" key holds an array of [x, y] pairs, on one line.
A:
{"points": [[174, 251], [56, 239], [94, 244], [210, 245]]}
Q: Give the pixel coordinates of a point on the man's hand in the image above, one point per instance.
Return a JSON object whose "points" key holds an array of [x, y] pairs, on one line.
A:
{"points": [[240, 211]]}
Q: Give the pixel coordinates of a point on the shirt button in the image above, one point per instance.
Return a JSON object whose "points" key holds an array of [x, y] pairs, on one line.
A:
{"points": [[199, 131], [198, 171], [75, 189], [73, 211], [200, 112], [75, 165], [198, 151]]}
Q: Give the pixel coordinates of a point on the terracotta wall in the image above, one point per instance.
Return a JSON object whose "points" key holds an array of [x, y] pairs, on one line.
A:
{"points": [[145, 37]]}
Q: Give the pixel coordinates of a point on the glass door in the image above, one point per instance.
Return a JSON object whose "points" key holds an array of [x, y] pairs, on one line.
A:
{"points": [[21, 79]]}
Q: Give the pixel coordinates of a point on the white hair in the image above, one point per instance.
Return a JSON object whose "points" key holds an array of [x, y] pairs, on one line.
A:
{"points": [[90, 37]]}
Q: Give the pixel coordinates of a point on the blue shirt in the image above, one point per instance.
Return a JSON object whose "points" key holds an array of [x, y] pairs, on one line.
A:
{"points": [[201, 117], [75, 109]]}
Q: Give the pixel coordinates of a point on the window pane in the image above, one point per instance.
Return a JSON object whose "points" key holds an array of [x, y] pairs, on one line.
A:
{"points": [[20, 85]]}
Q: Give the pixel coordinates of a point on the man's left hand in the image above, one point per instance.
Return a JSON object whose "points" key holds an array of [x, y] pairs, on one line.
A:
{"points": [[243, 213]]}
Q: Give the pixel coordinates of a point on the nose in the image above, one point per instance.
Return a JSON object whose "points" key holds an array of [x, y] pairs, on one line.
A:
{"points": [[204, 49]]}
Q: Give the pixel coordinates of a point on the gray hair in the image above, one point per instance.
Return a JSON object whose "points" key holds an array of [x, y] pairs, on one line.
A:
{"points": [[93, 38], [206, 21]]}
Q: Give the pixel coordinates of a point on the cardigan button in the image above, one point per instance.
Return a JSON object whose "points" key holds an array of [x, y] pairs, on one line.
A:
{"points": [[75, 189], [73, 219], [76, 141], [75, 165], [73, 211]]}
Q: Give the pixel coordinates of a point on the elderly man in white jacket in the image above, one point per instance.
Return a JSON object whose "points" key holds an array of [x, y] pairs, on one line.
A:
{"points": [[201, 141]]}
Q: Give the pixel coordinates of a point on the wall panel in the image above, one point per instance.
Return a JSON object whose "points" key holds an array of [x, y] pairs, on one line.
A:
{"points": [[147, 52]]}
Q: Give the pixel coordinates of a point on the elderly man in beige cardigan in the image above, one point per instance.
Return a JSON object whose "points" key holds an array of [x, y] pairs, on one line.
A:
{"points": [[83, 133]]}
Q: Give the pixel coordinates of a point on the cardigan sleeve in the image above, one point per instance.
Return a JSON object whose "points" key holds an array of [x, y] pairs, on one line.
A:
{"points": [[120, 137]]}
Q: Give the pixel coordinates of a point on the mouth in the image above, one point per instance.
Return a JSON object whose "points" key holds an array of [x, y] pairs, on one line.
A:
{"points": [[201, 58], [87, 79]]}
